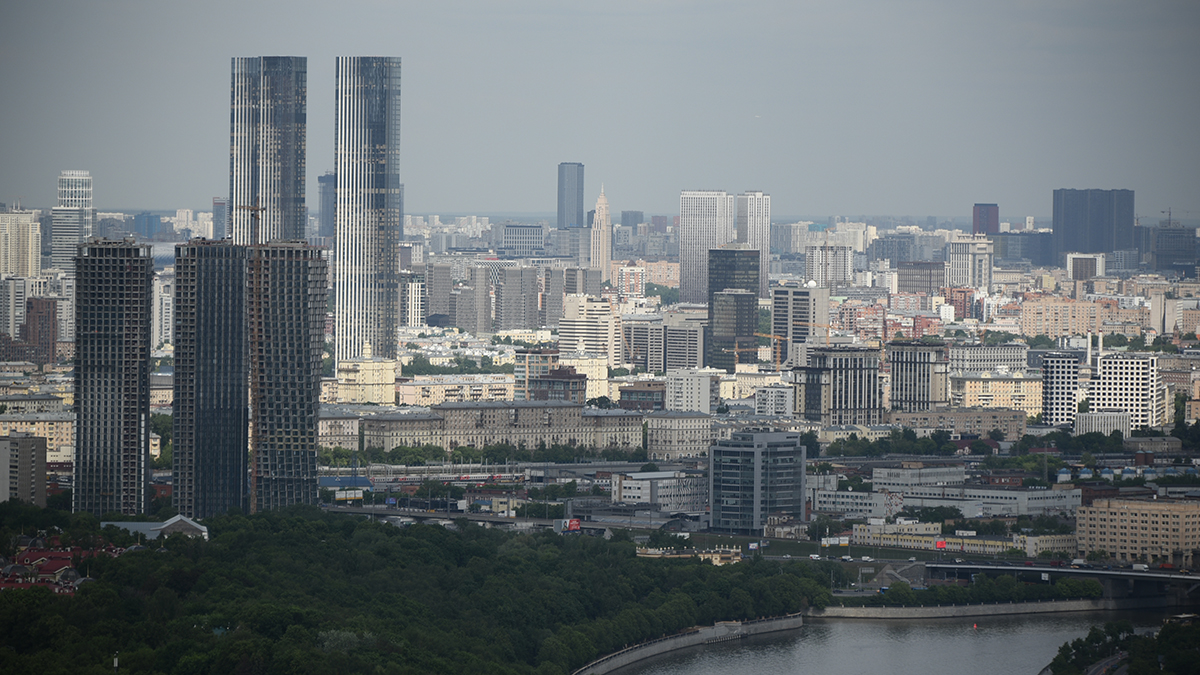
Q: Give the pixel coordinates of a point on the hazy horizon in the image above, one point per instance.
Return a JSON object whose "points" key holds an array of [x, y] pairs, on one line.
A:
{"points": [[842, 108]]}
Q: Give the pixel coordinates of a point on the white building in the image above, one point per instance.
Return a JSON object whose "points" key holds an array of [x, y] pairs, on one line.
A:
{"points": [[1131, 383], [706, 221], [969, 262], [590, 324], [777, 400], [694, 389], [162, 329], [601, 245], [917, 474], [983, 501], [20, 244], [1060, 388], [1102, 421], [829, 265], [74, 218], [754, 228], [671, 491], [978, 357]]}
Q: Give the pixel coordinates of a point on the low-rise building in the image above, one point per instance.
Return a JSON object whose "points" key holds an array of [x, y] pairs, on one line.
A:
{"points": [[676, 434], [672, 491], [976, 421], [427, 390], [1103, 421], [917, 474], [1147, 530], [992, 389], [57, 428]]}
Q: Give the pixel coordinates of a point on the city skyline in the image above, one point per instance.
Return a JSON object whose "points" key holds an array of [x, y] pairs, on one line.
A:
{"points": [[1051, 77]]}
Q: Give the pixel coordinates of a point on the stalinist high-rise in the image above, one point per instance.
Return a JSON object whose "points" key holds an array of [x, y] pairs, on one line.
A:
{"points": [[267, 129], [370, 205], [601, 248]]}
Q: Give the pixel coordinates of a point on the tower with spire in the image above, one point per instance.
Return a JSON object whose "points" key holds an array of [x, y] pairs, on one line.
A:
{"points": [[601, 249]]}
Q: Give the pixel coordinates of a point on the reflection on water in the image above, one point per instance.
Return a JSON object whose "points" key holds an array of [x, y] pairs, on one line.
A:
{"points": [[979, 645]]}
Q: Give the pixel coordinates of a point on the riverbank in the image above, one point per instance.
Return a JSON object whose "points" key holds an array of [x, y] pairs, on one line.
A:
{"points": [[989, 609], [721, 632]]}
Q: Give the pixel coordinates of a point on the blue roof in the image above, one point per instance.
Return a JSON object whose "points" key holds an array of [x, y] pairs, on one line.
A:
{"points": [[330, 482]]}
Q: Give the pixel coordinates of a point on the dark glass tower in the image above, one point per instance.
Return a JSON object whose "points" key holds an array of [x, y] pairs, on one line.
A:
{"points": [[370, 206], [754, 474], [1093, 221], [267, 131], [327, 218], [985, 219], [285, 316], [209, 421], [114, 281], [571, 212]]}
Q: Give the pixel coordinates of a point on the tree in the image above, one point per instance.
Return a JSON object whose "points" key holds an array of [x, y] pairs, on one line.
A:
{"points": [[996, 435], [1085, 405], [980, 448]]}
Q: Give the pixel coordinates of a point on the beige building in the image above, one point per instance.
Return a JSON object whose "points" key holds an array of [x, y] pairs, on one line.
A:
{"points": [[367, 379], [519, 423], [1022, 391], [57, 428], [529, 364], [590, 324], [1058, 317], [337, 430], [427, 390], [965, 420], [592, 364], [675, 434], [1145, 530]]}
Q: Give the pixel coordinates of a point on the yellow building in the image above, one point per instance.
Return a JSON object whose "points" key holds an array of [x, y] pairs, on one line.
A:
{"points": [[1148, 530], [367, 379], [1057, 317], [997, 390], [427, 390], [57, 428]]}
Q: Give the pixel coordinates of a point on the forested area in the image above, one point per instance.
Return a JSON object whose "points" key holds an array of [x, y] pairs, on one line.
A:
{"points": [[1172, 651], [303, 591], [1004, 588]]}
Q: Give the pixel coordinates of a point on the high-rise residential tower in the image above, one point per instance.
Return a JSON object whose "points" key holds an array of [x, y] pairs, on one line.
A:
{"points": [[327, 216], [285, 315], [754, 230], [1093, 221], [799, 314], [601, 248], [112, 377], [74, 218], [209, 424], [920, 375], [1060, 388], [220, 221], [570, 195], [370, 206], [706, 221], [267, 131], [20, 244], [841, 386]]}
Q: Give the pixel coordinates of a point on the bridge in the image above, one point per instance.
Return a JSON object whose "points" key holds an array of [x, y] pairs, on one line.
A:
{"points": [[485, 518], [1117, 583]]}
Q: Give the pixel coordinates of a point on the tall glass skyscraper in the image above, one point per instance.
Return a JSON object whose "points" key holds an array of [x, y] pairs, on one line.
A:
{"points": [[570, 195], [370, 205], [706, 221], [1093, 221], [74, 218], [267, 131]]}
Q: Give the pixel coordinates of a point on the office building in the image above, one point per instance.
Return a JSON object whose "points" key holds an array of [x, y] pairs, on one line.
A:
{"points": [[977, 357], [267, 136], [209, 420], [1014, 389], [799, 315], [1084, 266], [412, 299], [753, 474], [1103, 421], [600, 257], [285, 312], [23, 468], [20, 244], [74, 219], [15, 293], [920, 375], [521, 240], [112, 377], [1141, 530], [570, 195], [471, 305], [985, 219], [754, 230], [327, 216], [1131, 382], [517, 299], [439, 279], [841, 385], [1093, 221], [370, 206], [829, 265], [591, 324], [733, 319], [706, 221], [632, 219], [220, 218], [920, 277], [970, 262], [733, 266], [1060, 388], [559, 384]]}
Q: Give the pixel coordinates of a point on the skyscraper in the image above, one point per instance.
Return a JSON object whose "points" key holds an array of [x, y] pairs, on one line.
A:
{"points": [[112, 377], [570, 195], [74, 218], [798, 314], [267, 132], [985, 219], [327, 217], [706, 221], [285, 313], [209, 421], [601, 248], [632, 219], [754, 229], [841, 386], [920, 375], [1093, 221], [20, 244], [370, 206], [753, 474], [220, 227], [969, 263], [829, 265]]}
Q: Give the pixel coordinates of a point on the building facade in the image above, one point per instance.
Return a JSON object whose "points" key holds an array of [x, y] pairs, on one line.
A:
{"points": [[706, 221], [1136, 530], [570, 195], [1060, 388], [970, 262], [112, 377], [1093, 221], [754, 230], [841, 386], [920, 375], [798, 314], [267, 141], [370, 206], [754, 474]]}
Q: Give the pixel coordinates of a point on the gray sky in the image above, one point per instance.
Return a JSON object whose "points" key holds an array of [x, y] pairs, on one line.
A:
{"points": [[841, 107]]}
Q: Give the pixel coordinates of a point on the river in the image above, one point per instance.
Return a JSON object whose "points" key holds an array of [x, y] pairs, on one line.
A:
{"points": [[1017, 645]]}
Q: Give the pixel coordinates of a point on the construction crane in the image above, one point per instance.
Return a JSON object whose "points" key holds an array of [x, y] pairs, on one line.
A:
{"points": [[828, 328], [254, 216], [776, 347]]}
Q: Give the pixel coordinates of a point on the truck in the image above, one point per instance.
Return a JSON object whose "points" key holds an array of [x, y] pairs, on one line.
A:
{"points": [[1140, 567]]}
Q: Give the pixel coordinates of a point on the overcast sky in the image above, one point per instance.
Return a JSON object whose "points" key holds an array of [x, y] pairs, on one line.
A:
{"points": [[917, 107]]}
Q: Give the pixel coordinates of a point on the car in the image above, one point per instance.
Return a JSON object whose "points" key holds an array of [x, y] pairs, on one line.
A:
{"points": [[787, 556], [1185, 571], [912, 559], [959, 560], [814, 556]]}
